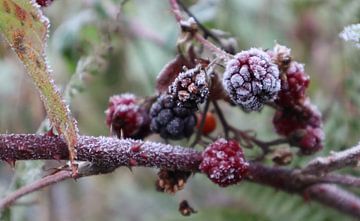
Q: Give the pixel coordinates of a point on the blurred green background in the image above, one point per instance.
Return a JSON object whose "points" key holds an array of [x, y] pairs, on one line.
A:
{"points": [[105, 47]]}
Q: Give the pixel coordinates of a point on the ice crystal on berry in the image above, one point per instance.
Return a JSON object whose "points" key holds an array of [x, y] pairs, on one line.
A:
{"points": [[251, 79], [190, 87], [224, 163], [293, 86]]}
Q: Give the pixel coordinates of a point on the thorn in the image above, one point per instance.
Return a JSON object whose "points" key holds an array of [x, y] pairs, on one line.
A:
{"points": [[121, 134], [11, 162], [51, 132], [74, 168]]}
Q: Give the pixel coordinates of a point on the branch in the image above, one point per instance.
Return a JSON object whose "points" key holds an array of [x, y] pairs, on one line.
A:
{"points": [[336, 160], [209, 45], [105, 154], [335, 197], [86, 169]]}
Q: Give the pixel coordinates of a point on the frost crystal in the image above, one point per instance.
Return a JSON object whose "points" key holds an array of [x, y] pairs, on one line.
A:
{"points": [[351, 33], [251, 79]]}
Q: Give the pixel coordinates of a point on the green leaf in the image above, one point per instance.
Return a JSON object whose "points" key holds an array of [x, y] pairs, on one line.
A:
{"points": [[25, 28]]}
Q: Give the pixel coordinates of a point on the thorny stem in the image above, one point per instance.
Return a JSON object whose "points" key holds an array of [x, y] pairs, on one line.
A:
{"points": [[109, 153]]}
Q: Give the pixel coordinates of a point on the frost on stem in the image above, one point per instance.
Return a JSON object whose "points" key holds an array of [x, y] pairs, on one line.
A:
{"points": [[251, 79], [224, 163]]}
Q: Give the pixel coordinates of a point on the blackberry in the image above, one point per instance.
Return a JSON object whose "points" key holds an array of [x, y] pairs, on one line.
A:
{"points": [[224, 163], [170, 120], [293, 86], [311, 140], [302, 125], [190, 88], [251, 79], [126, 117]]}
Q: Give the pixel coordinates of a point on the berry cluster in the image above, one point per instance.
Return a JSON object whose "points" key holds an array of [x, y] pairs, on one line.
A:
{"points": [[295, 117], [224, 162], [173, 114], [251, 79], [126, 117]]}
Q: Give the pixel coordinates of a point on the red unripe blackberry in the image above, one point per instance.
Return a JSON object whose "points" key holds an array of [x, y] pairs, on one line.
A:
{"points": [[293, 86], [209, 124], [251, 79], [170, 120], [125, 116], [44, 3], [311, 140], [224, 163], [287, 120]]}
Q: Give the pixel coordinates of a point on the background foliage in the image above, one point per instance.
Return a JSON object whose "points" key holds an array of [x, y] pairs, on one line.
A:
{"points": [[100, 48]]}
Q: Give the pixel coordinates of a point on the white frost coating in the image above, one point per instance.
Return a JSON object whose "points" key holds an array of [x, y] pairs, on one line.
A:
{"points": [[351, 33]]}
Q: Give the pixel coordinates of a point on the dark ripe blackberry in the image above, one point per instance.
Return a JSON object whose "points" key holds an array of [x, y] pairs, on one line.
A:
{"points": [[170, 120], [224, 163], [293, 86], [251, 79], [190, 87], [126, 117]]}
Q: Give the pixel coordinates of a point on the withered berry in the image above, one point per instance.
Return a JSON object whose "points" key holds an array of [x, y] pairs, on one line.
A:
{"points": [[224, 163], [251, 79]]}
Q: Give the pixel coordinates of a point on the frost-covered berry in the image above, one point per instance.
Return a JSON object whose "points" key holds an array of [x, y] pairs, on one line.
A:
{"points": [[224, 163], [44, 3], [293, 86], [311, 140], [170, 120], [302, 125], [190, 88], [125, 116], [251, 79]]}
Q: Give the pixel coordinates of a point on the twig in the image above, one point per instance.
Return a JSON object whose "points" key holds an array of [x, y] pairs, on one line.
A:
{"points": [[336, 160], [39, 184], [197, 36], [335, 197], [207, 32], [222, 119], [202, 123]]}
